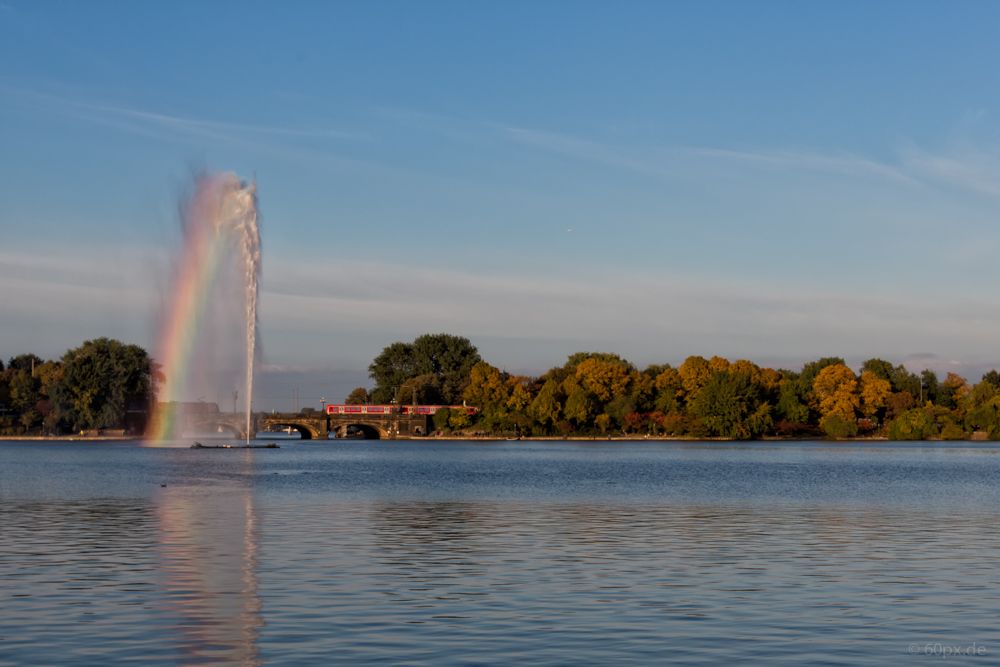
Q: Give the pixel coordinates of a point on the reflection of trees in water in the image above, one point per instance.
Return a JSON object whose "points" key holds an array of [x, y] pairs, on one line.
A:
{"points": [[208, 548]]}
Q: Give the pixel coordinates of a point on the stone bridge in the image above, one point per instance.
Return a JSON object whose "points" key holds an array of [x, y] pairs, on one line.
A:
{"points": [[311, 426]]}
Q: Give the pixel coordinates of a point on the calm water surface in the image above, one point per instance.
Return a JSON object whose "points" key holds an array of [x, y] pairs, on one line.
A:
{"points": [[542, 553]]}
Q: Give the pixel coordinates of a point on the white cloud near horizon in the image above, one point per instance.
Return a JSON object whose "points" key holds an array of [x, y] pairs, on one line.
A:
{"points": [[646, 318], [321, 318]]}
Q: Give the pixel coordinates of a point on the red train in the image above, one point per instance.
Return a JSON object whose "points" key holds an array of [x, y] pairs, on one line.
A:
{"points": [[394, 409]]}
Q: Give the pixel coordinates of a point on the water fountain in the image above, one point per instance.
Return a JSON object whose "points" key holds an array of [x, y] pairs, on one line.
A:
{"points": [[220, 225]]}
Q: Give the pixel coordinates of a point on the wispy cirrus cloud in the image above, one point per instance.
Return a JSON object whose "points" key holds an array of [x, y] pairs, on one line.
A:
{"points": [[156, 124], [669, 161]]}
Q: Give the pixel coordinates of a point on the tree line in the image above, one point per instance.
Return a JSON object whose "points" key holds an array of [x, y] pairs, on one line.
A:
{"points": [[597, 393], [94, 386]]}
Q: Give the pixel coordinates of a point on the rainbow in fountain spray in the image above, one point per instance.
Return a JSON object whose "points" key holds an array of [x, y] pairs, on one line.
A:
{"points": [[221, 217]]}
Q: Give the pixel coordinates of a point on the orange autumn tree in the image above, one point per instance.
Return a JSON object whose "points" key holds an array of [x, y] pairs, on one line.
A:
{"points": [[835, 397]]}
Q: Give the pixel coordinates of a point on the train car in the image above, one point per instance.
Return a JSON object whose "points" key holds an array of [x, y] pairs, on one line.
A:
{"points": [[431, 409], [394, 409]]}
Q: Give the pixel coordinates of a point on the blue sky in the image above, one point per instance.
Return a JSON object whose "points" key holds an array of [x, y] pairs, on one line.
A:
{"points": [[775, 181]]}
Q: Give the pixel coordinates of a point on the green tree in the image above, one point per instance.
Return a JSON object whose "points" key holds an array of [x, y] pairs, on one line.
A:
{"points": [[459, 419], [442, 418], [546, 408], [30, 417], [930, 384], [580, 407], [390, 369], [642, 390], [904, 380], [913, 424], [24, 391], [789, 407], [619, 408], [880, 368], [451, 358], [836, 426], [992, 378], [443, 354], [983, 409], [730, 404], [102, 378], [426, 388], [25, 362]]}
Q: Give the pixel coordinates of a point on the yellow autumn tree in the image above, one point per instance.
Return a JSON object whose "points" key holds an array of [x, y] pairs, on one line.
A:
{"points": [[604, 380], [749, 368], [835, 392], [770, 379], [695, 373], [873, 392], [718, 364]]}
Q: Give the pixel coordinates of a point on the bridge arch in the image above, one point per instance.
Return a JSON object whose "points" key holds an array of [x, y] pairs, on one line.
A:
{"points": [[370, 431], [306, 431]]}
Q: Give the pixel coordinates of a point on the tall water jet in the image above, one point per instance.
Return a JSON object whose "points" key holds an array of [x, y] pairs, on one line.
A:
{"points": [[219, 220]]}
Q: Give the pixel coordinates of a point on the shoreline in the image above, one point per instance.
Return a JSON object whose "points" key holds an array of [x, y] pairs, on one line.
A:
{"points": [[445, 438]]}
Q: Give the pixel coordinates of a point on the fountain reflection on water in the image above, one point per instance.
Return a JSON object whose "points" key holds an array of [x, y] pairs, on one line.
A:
{"points": [[209, 552]]}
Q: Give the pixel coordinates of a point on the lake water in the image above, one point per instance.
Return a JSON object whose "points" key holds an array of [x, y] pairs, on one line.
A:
{"points": [[537, 553]]}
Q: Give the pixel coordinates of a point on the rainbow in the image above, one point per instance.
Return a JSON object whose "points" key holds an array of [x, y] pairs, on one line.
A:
{"points": [[222, 211]]}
